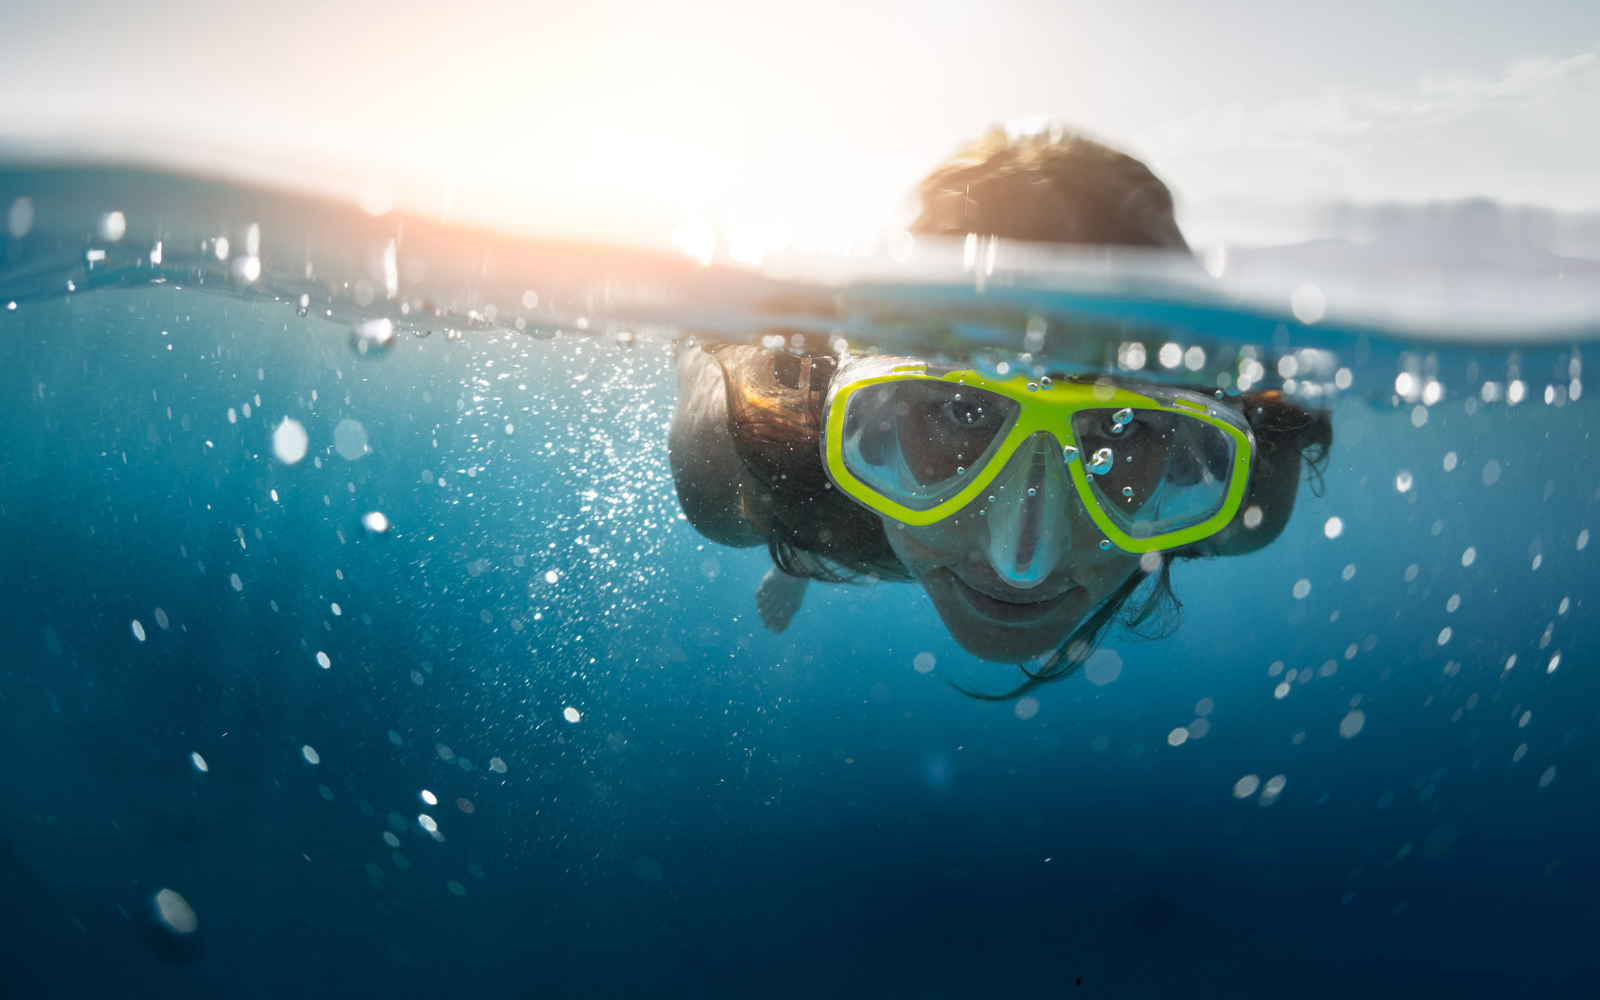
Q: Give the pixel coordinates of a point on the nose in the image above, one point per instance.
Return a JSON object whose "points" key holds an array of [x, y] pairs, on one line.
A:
{"points": [[1028, 522]]}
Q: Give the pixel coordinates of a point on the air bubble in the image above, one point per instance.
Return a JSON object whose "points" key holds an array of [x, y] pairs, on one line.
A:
{"points": [[1070, 453], [1032, 491], [1103, 460], [1105, 543], [1127, 491], [178, 916]]}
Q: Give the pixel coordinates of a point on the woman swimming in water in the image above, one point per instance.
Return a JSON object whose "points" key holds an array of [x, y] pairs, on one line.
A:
{"points": [[1037, 513]]}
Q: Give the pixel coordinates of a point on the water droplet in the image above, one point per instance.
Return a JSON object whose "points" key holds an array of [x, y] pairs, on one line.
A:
{"points": [[1105, 543], [350, 439], [310, 754], [1103, 460], [961, 470], [1123, 416], [289, 441], [138, 630], [1033, 387], [1070, 453], [571, 714], [1032, 491], [1127, 491], [177, 915]]}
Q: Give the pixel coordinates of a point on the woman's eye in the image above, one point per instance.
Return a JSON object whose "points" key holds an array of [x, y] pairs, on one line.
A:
{"points": [[1110, 428], [963, 413]]}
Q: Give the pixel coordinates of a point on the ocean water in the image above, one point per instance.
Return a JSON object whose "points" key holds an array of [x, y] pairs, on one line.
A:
{"points": [[524, 734]]}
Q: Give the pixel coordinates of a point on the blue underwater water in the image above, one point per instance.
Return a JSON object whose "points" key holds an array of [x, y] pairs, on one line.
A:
{"points": [[639, 791]]}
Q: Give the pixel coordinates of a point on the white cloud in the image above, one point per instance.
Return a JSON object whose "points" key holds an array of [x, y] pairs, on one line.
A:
{"points": [[1526, 136]]}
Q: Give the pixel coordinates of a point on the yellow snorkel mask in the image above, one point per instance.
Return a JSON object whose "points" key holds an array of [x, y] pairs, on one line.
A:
{"points": [[1154, 468]]}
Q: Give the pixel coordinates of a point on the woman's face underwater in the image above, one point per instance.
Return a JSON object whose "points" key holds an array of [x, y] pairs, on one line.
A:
{"points": [[1016, 570]]}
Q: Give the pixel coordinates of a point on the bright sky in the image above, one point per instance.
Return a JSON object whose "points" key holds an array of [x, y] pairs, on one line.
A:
{"points": [[622, 118]]}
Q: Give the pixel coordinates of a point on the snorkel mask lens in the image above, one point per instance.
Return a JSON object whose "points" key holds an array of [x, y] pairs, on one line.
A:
{"points": [[915, 440], [1155, 472]]}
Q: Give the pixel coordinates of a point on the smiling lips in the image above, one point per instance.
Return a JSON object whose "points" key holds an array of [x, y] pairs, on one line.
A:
{"points": [[1006, 612]]}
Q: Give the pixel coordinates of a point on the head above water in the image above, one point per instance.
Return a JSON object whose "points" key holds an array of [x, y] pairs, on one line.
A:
{"points": [[1052, 186]]}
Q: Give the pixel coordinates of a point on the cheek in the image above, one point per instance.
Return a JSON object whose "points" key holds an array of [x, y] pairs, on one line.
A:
{"points": [[1105, 576], [943, 544]]}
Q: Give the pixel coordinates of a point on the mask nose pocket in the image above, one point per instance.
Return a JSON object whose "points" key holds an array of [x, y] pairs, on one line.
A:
{"points": [[1028, 524]]}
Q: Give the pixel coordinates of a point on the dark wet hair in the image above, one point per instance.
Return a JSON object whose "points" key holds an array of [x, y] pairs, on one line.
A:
{"points": [[812, 530]]}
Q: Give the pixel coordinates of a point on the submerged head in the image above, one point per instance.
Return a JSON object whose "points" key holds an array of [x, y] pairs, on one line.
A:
{"points": [[1043, 579], [1023, 504]]}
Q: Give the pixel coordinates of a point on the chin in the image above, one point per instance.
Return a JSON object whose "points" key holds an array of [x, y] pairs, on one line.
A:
{"points": [[1003, 644]]}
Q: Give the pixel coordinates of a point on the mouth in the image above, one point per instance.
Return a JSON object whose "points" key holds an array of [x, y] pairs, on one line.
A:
{"points": [[1006, 612]]}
